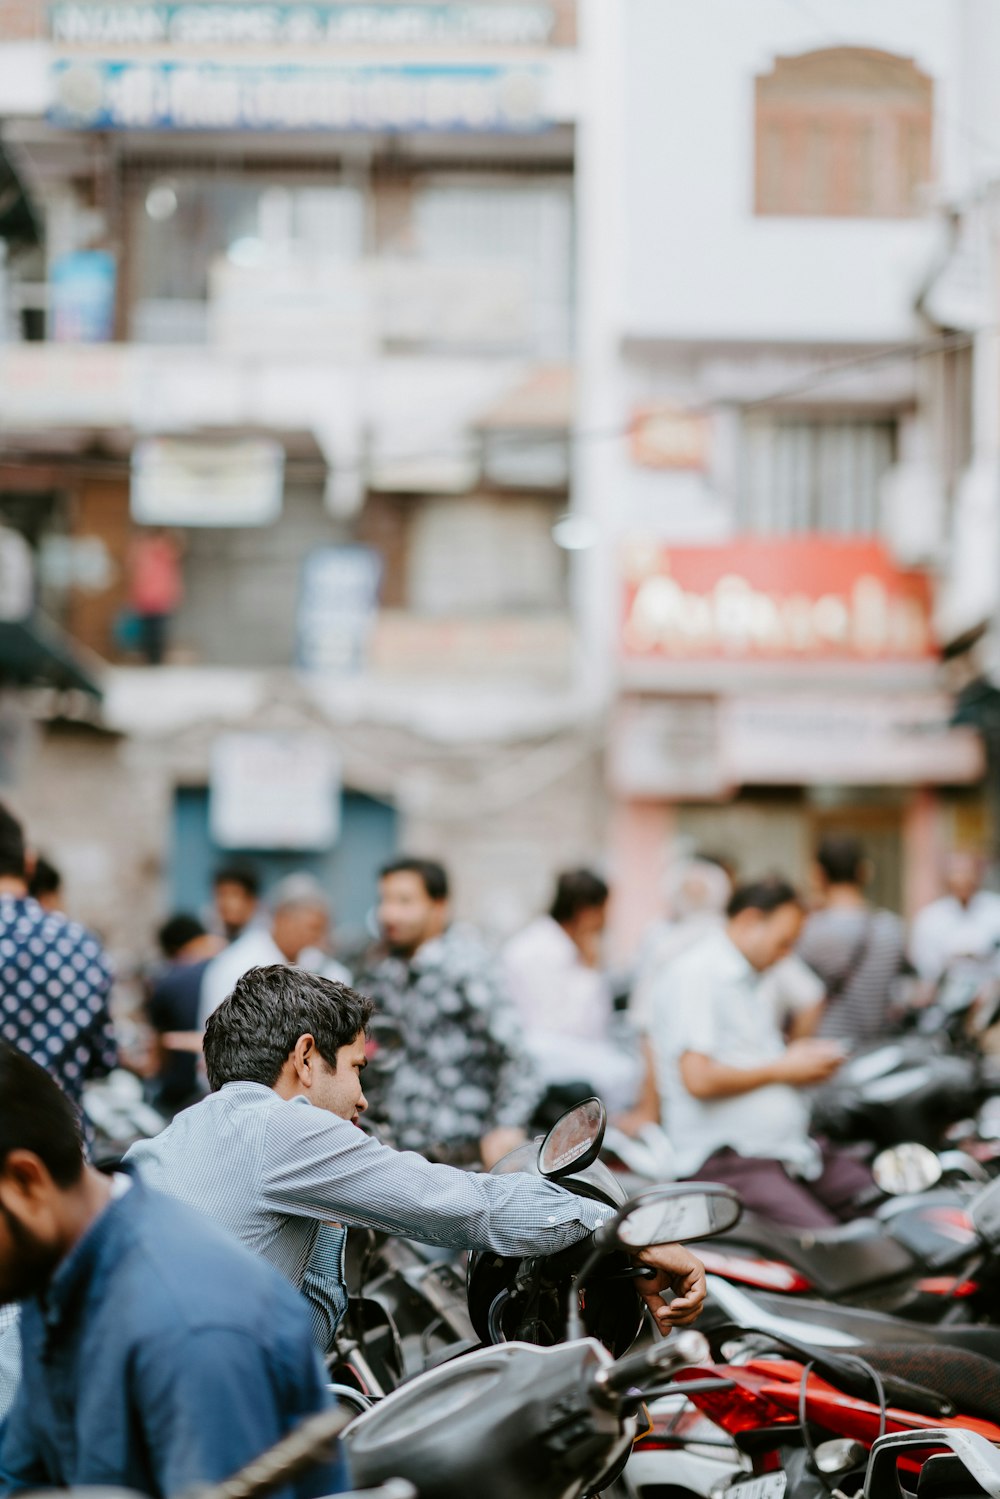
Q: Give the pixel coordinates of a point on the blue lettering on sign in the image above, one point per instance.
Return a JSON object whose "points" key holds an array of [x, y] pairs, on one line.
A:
{"points": [[100, 95]]}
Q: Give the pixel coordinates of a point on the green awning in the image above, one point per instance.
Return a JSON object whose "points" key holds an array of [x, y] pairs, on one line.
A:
{"points": [[35, 652]]}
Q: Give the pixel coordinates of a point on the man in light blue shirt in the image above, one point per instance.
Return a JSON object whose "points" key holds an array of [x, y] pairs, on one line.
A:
{"points": [[280, 1174]]}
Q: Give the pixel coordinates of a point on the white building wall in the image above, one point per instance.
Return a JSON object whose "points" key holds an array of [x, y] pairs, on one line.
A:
{"points": [[700, 264]]}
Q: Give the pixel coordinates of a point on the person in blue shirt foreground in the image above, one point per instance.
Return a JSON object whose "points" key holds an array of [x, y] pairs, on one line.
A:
{"points": [[157, 1352]]}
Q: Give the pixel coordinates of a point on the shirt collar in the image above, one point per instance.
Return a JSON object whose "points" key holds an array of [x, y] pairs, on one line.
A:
{"points": [[732, 959], [91, 1260]]}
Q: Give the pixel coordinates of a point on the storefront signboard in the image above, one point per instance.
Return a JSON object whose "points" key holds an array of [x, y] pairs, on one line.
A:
{"points": [[817, 739], [136, 95], [279, 791], [703, 748], [670, 436], [179, 482], [361, 24], [779, 599]]}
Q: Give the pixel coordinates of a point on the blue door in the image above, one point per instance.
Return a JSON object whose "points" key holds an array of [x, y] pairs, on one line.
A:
{"points": [[348, 871]]}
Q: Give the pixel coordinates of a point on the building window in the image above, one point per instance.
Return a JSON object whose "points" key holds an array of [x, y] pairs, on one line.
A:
{"points": [[803, 474], [843, 132]]}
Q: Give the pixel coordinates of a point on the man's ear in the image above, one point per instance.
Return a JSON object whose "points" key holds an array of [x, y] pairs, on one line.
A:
{"points": [[302, 1058], [23, 1175]]}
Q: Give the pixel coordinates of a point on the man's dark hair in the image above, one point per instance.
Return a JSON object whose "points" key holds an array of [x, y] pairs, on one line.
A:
{"points": [[45, 879], [238, 874], [433, 874], [577, 890], [842, 859], [767, 895], [36, 1115], [12, 849], [176, 933], [250, 1037]]}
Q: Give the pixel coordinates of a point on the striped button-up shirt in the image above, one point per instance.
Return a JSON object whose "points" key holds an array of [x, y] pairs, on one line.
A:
{"points": [[276, 1172]]}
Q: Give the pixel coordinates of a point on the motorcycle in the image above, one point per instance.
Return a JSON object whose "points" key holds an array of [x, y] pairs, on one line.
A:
{"points": [[814, 1386], [921, 1083]]}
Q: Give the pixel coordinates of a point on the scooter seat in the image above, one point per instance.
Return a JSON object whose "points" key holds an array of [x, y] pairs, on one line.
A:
{"points": [[969, 1381], [879, 1329], [834, 1260]]}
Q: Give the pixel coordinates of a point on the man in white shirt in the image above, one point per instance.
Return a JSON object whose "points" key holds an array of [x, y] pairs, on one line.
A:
{"points": [[554, 977], [732, 1089], [964, 923], [297, 933]]}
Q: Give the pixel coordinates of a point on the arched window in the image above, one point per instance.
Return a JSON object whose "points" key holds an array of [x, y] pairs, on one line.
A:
{"points": [[843, 132]]}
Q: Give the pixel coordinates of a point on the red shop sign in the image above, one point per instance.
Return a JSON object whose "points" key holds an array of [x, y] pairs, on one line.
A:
{"points": [[801, 598]]}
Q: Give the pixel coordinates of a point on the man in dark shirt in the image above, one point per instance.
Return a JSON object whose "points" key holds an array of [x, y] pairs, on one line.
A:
{"points": [[54, 979], [157, 1353], [174, 997]]}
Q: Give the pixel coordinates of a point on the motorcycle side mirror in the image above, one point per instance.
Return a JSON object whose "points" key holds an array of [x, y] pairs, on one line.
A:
{"points": [[666, 1215], [675, 1215], [574, 1141], [906, 1168]]}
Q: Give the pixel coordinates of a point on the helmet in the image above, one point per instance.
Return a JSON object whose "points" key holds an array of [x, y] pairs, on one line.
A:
{"points": [[526, 1298]]}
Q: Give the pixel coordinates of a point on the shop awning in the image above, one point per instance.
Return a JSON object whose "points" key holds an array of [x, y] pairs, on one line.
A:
{"points": [[34, 652]]}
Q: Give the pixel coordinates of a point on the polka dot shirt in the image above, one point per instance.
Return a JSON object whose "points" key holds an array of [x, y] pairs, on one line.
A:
{"points": [[54, 986]]}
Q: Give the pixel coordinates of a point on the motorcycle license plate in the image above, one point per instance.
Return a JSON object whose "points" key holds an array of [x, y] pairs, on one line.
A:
{"points": [[770, 1486]]}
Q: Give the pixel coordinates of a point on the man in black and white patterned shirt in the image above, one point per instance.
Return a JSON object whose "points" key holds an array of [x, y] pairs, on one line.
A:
{"points": [[273, 1155], [54, 979], [463, 1088]]}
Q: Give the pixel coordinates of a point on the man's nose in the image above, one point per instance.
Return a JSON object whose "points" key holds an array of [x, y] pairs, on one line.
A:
{"points": [[362, 1104]]}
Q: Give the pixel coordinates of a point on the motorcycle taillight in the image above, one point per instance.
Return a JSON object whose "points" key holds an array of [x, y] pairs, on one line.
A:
{"points": [[740, 1409]]}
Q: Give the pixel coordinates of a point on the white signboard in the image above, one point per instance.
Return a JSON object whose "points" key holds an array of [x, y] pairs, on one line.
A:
{"points": [[176, 482], [276, 791], [807, 739], [385, 24], [95, 94]]}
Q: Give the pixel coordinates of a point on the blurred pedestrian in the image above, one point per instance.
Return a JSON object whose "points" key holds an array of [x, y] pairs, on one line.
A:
{"points": [[173, 1006], [158, 1355], [733, 1091], [155, 588], [463, 1089], [54, 979], [553, 973], [236, 896], [696, 899], [857, 950], [45, 885], [963, 923], [297, 933]]}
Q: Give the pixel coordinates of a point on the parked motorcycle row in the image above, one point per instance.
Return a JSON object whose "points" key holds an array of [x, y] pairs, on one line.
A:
{"points": [[862, 1360]]}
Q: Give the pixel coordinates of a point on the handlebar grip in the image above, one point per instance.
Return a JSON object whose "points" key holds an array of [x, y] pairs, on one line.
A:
{"points": [[641, 1369]]}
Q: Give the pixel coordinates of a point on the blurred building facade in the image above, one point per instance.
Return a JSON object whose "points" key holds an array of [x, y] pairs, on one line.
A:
{"points": [[785, 541], [306, 297], [579, 424]]}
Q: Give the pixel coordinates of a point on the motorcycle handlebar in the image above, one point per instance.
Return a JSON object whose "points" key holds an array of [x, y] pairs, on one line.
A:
{"points": [[654, 1364]]}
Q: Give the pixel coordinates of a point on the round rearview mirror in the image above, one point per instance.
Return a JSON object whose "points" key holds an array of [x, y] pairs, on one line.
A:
{"points": [[678, 1215], [574, 1141], [906, 1168]]}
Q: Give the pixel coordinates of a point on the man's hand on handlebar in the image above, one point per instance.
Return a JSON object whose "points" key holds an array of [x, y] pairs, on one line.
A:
{"points": [[679, 1271]]}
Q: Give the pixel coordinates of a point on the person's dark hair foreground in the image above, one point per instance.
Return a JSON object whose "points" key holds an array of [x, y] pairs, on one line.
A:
{"points": [[36, 1115]]}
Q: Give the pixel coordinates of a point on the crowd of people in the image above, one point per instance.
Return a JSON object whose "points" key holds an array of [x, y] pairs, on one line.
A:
{"points": [[742, 1001]]}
